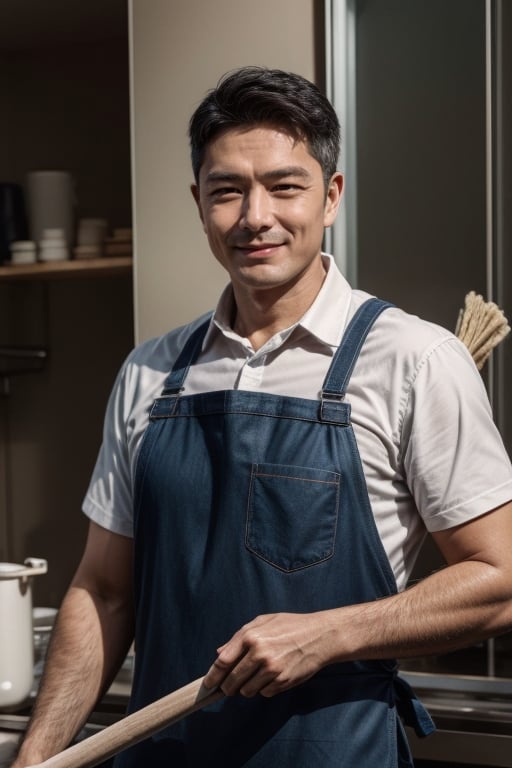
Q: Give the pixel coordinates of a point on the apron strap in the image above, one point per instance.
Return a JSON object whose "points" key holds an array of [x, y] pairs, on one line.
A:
{"points": [[345, 357], [175, 380]]}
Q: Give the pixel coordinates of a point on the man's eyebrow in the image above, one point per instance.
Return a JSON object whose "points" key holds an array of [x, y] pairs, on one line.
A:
{"points": [[295, 171], [215, 176]]}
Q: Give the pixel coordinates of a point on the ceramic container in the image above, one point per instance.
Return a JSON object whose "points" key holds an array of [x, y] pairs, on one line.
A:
{"points": [[23, 252], [16, 632]]}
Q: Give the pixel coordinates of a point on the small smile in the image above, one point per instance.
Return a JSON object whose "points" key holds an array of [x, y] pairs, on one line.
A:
{"points": [[257, 249]]}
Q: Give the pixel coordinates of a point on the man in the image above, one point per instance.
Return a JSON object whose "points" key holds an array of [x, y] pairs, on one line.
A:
{"points": [[269, 472]]}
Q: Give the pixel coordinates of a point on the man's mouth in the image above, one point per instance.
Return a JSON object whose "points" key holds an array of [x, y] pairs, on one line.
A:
{"points": [[258, 249]]}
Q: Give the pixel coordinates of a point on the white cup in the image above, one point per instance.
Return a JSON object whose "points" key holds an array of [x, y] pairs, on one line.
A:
{"points": [[91, 232], [53, 253], [23, 252]]}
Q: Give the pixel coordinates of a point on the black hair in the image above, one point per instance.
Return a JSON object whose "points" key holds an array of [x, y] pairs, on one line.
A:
{"points": [[253, 95]]}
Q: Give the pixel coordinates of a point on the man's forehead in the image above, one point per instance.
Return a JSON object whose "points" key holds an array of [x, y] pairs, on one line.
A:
{"points": [[233, 133], [239, 144]]}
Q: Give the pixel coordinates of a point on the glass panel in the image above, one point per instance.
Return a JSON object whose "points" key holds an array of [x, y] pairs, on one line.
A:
{"points": [[503, 366], [421, 193]]}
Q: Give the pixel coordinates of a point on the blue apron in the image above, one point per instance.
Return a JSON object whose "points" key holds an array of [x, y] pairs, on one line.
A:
{"points": [[250, 503]]}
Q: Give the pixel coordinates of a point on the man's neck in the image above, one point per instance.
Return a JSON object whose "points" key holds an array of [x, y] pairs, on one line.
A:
{"points": [[260, 314]]}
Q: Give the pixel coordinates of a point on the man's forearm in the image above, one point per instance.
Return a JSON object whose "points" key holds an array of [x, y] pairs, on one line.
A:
{"points": [[464, 603], [460, 605], [89, 642]]}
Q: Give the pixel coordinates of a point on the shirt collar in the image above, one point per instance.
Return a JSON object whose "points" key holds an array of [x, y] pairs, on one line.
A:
{"points": [[327, 316], [327, 326]]}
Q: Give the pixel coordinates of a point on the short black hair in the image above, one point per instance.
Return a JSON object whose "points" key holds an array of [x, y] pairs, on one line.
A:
{"points": [[251, 96]]}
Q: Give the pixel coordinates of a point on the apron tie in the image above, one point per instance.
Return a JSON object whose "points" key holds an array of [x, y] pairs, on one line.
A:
{"points": [[411, 710]]}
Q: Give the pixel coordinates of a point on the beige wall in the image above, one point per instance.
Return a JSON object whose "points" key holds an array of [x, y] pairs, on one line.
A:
{"points": [[179, 49]]}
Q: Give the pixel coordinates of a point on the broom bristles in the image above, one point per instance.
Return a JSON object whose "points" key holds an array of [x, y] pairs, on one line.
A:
{"points": [[481, 326]]}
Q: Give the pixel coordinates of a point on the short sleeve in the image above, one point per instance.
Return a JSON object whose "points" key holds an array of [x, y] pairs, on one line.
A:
{"points": [[108, 501], [454, 459]]}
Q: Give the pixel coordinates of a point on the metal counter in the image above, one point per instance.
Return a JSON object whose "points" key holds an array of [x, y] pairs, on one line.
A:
{"points": [[473, 716]]}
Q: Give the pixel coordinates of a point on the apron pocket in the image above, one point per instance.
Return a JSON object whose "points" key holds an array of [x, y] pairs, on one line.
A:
{"points": [[292, 515]]}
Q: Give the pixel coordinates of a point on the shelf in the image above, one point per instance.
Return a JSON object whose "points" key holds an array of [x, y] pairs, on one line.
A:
{"points": [[79, 268]]}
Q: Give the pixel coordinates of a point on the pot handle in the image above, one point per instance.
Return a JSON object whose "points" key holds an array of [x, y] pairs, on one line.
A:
{"points": [[36, 566]]}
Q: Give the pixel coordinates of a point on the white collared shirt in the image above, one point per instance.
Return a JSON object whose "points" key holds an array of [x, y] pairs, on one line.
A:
{"points": [[431, 454]]}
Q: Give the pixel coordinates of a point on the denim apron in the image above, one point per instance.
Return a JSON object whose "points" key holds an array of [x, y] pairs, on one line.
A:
{"points": [[249, 503]]}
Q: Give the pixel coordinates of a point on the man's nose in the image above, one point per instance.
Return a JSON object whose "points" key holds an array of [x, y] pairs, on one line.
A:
{"points": [[257, 210]]}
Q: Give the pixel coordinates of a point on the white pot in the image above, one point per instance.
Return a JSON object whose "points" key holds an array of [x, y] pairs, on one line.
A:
{"points": [[16, 635]]}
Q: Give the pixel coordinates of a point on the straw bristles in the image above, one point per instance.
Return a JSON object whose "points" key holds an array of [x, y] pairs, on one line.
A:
{"points": [[481, 325]]}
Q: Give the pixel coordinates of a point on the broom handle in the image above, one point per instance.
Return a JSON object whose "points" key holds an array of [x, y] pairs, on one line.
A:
{"points": [[135, 727]]}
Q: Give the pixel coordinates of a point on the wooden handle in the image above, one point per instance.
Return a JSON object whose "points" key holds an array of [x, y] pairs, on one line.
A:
{"points": [[135, 727]]}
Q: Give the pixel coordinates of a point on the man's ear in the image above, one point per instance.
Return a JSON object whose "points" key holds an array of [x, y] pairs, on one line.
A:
{"points": [[333, 198], [194, 188]]}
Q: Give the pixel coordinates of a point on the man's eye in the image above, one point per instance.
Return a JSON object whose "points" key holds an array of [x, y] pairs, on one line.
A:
{"points": [[225, 192], [285, 187]]}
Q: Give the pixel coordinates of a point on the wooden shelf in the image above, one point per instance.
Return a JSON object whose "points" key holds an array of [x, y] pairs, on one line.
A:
{"points": [[51, 270]]}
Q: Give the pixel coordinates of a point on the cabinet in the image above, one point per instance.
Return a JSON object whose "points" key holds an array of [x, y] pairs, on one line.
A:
{"points": [[64, 75]]}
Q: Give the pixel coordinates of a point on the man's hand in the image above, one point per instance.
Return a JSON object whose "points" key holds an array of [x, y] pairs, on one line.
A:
{"points": [[271, 654]]}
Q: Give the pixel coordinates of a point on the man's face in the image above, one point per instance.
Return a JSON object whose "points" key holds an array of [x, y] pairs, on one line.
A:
{"points": [[264, 205]]}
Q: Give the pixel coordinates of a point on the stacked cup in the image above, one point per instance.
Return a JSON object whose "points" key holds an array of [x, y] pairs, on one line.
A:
{"points": [[53, 245], [91, 235], [23, 252]]}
